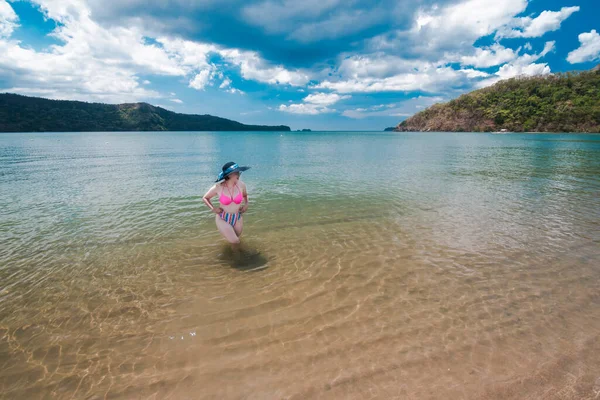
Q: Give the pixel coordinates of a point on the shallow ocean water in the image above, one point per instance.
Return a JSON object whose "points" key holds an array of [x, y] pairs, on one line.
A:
{"points": [[375, 265]]}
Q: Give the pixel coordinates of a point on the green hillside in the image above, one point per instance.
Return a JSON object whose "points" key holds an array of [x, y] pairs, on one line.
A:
{"points": [[33, 114], [565, 102]]}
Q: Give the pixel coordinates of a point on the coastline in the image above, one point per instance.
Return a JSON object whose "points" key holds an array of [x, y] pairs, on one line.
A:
{"points": [[497, 132]]}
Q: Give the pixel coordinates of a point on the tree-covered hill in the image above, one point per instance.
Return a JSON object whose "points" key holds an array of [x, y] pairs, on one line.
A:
{"points": [[33, 114], [565, 102]]}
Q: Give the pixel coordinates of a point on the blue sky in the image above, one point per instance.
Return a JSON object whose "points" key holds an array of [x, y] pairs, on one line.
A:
{"points": [[319, 64]]}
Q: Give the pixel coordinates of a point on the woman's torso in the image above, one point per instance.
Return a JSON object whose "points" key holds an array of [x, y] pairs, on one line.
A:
{"points": [[229, 197]]}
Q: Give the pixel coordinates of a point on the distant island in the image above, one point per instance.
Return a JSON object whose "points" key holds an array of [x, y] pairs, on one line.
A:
{"points": [[34, 114], [303, 130], [564, 102], [390, 129]]}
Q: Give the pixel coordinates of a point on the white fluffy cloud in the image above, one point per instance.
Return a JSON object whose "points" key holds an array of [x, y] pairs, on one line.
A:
{"points": [[473, 73], [187, 54], [253, 67], [512, 70], [530, 58], [385, 73], [491, 56], [404, 108], [324, 99], [376, 65], [314, 104], [70, 72], [92, 63], [122, 47], [8, 19], [528, 27], [524, 65], [226, 85], [99, 64], [462, 23], [305, 108], [378, 73], [201, 79], [452, 29], [589, 50]]}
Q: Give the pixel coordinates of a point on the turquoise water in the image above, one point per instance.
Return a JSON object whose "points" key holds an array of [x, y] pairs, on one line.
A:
{"points": [[108, 256], [95, 186]]}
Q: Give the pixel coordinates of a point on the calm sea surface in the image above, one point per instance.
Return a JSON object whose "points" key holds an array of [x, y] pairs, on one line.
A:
{"points": [[375, 265]]}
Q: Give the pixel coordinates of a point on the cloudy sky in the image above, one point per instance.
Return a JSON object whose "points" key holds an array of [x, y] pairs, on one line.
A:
{"points": [[320, 64]]}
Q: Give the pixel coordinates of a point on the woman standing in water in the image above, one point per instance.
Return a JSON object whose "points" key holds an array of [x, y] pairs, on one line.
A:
{"points": [[231, 191]]}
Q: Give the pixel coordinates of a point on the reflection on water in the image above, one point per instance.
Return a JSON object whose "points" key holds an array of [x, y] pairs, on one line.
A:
{"points": [[373, 265]]}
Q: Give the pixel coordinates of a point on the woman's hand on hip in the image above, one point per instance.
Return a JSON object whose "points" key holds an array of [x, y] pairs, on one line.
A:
{"points": [[244, 209], [217, 210]]}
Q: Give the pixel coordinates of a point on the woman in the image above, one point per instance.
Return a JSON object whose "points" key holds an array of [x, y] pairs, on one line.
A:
{"points": [[231, 191]]}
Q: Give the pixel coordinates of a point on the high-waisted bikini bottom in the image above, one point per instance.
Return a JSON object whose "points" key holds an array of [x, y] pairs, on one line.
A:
{"points": [[231, 218]]}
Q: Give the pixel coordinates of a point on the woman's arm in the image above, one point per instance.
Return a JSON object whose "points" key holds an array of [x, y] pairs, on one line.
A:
{"points": [[212, 192], [246, 203]]}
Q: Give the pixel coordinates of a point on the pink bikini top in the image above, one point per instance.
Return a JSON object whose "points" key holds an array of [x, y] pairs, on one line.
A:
{"points": [[225, 200]]}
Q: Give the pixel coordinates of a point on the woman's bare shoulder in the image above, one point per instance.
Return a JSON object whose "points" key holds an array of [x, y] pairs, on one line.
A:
{"points": [[215, 188]]}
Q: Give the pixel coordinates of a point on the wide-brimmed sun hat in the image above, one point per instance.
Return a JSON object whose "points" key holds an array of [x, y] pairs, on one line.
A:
{"points": [[230, 168]]}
